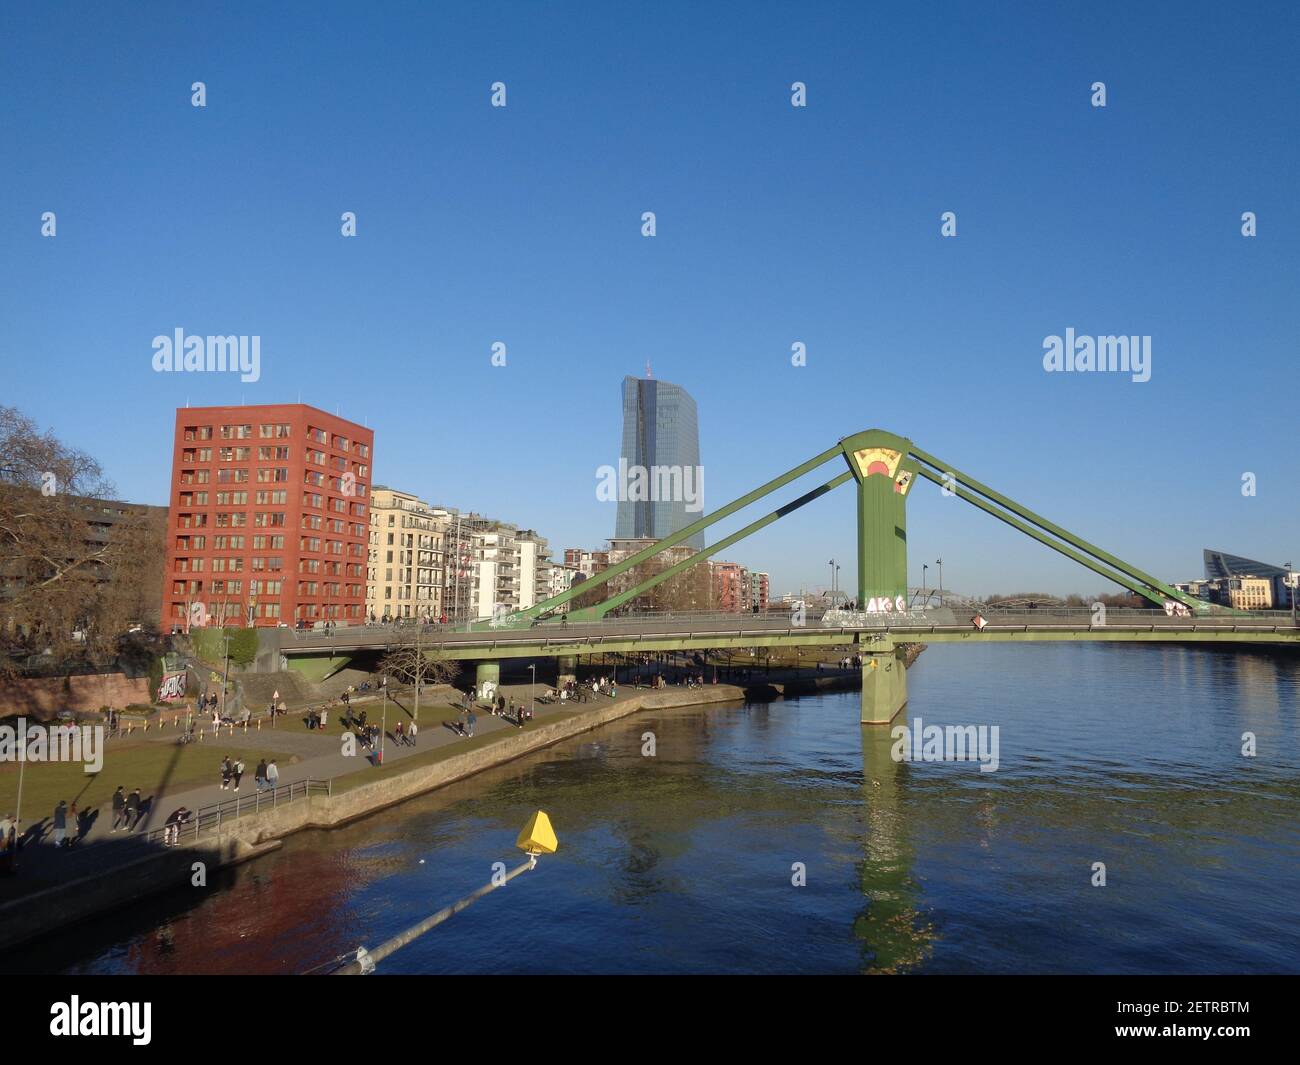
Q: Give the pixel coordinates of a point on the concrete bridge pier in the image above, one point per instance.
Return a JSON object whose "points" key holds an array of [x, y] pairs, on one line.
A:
{"points": [[566, 669], [884, 686], [484, 672]]}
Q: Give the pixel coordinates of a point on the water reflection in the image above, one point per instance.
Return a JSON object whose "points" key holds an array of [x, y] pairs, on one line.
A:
{"points": [[895, 935]]}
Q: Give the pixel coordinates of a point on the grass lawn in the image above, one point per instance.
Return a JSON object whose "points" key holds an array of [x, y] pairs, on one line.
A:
{"points": [[149, 765], [437, 754]]}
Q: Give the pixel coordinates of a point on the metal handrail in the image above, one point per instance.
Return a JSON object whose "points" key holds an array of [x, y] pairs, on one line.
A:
{"points": [[214, 815]]}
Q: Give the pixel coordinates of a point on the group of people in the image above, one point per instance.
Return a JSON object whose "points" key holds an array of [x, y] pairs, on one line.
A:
{"points": [[393, 619], [506, 710], [405, 734], [68, 824], [465, 727], [127, 809], [231, 771], [267, 774]]}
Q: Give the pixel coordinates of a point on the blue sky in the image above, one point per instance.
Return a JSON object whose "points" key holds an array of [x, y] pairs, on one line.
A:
{"points": [[775, 225]]}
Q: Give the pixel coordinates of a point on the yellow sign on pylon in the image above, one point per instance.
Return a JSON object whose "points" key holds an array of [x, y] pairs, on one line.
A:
{"points": [[538, 837]]}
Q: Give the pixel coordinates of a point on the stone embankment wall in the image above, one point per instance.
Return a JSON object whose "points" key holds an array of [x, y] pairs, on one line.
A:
{"points": [[43, 697]]}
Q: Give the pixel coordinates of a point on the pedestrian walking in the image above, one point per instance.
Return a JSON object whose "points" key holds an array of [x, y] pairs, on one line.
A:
{"points": [[470, 725], [411, 733], [238, 771], [259, 775], [225, 772], [400, 735], [273, 775], [119, 808], [60, 823], [8, 838], [133, 813]]}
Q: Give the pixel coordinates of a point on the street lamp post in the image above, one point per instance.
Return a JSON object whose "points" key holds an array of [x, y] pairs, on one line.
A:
{"points": [[833, 567], [924, 566], [533, 684], [939, 563], [225, 676], [419, 672], [1291, 581], [22, 766], [383, 722]]}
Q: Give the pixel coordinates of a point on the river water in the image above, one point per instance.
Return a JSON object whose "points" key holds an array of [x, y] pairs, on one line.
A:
{"points": [[684, 862]]}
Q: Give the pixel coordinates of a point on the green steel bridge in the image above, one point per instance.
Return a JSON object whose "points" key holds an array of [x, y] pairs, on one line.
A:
{"points": [[884, 467]]}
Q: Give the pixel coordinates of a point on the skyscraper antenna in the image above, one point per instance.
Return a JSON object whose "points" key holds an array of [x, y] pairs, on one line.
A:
{"points": [[647, 370]]}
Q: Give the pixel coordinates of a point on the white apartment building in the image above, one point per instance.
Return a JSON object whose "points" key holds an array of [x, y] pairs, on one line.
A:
{"points": [[406, 569], [510, 570], [428, 560]]}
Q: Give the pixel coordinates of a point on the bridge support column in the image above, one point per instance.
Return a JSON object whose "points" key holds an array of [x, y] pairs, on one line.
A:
{"points": [[566, 669], [884, 686], [484, 672]]}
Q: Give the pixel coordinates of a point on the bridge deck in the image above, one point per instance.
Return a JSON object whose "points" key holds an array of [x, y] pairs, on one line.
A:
{"points": [[693, 632]]}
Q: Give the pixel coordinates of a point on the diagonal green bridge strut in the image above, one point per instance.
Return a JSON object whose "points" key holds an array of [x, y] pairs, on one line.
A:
{"points": [[885, 467]]}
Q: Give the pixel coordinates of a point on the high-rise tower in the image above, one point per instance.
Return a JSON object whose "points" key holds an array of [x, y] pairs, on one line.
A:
{"points": [[661, 435]]}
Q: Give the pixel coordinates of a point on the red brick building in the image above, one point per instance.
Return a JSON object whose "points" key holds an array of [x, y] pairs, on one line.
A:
{"points": [[268, 517]]}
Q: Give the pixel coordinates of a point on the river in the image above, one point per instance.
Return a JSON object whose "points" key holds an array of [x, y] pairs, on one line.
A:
{"points": [[684, 862]]}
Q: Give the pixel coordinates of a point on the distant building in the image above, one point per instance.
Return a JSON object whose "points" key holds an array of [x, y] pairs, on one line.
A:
{"points": [[558, 577], [1225, 571], [1249, 593], [588, 563], [660, 431], [1209, 591], [730, 587]]}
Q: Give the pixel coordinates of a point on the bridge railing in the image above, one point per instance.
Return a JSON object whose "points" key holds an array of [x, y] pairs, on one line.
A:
{"points": [[406, 631], [733, 620]]}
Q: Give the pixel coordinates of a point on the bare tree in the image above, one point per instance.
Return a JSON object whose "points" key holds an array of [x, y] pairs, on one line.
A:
{"points": [[72, 579], [412, 659]]}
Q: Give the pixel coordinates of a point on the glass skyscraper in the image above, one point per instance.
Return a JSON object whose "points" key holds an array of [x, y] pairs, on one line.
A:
{"points": [[661, 430]]}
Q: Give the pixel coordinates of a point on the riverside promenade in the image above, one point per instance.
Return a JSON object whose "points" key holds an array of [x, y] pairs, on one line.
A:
{"points": [[306, 754], [55, 887]]}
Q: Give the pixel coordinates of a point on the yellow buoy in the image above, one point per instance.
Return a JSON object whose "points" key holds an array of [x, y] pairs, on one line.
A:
{"points": [[538, 837]]}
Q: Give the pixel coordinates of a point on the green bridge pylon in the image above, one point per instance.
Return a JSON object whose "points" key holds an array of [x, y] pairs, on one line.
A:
{"points": [[885, 467]]}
